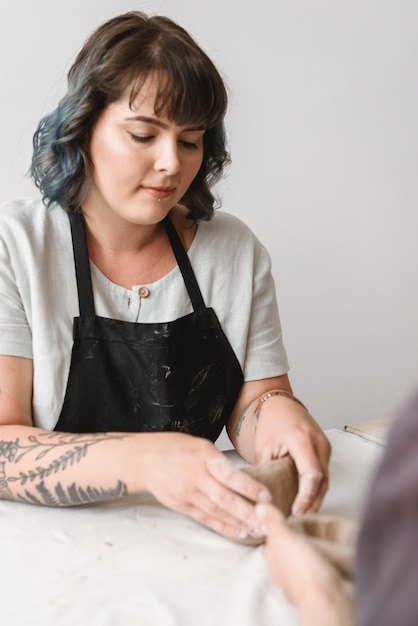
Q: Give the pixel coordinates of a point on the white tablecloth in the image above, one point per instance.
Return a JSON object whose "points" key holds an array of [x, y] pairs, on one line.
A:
{"points": [[135, 563]]}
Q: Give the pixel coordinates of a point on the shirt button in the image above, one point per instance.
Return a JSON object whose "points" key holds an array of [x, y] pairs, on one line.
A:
{"points": [[143, 292]]}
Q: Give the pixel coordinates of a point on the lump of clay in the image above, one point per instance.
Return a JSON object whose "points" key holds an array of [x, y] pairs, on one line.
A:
{"points": [[280, 476], [333, 535]]}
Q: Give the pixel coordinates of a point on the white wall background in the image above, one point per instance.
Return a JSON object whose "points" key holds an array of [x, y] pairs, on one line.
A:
{"points": [[324, 138]]}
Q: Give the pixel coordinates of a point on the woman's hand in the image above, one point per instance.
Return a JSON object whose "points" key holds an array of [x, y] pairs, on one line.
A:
{"points": [[189, 475], [279, 425], [285, 427], [306, 578]]}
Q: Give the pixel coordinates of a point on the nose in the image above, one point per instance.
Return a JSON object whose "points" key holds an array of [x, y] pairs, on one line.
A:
{"points": [[168, 158]]}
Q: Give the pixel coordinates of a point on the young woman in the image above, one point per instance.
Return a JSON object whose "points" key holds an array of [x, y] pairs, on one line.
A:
{"points": [[134, 322]]}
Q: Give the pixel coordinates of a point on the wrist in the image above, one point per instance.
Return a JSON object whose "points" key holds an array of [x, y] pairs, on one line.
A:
{"points": [[271, 394], [244, 432], [329, 598], [254, 407]]}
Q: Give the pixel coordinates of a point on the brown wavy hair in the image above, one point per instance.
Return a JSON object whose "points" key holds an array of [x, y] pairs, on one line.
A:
{"points": [[120, 55]]}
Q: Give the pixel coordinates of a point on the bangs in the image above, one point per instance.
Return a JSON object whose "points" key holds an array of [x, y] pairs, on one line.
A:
{"points": [[187, 98], [190, 88]]}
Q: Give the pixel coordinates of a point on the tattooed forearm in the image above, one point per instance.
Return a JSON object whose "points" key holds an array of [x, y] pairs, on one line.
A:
{"points": [[72, 495], [240, 422], [24, 466], [243, 417], [5, 493], [51, 441]]}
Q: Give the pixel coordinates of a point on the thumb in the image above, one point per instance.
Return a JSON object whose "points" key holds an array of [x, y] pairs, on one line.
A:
{"points": [[270, 517]]}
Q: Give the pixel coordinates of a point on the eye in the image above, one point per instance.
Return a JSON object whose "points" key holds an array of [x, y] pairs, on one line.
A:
{"points": [[140, 138], [190, 145]]}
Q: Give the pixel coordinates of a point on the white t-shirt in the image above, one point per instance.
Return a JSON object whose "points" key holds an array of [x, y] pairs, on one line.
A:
{"points": [[38, 296]]}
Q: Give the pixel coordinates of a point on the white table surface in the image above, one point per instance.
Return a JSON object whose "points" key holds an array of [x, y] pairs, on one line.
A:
{"points": [[135, 563]]}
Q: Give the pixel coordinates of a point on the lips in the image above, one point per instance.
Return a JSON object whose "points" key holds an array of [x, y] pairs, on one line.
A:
{"points": [[159, 192]]}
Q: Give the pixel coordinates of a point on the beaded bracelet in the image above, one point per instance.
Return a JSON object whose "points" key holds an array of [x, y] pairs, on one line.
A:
{"points": [[270, 394]]}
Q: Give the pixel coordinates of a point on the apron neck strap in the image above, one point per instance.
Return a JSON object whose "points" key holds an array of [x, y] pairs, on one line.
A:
{"points": [[82, 265], [184, 264]]}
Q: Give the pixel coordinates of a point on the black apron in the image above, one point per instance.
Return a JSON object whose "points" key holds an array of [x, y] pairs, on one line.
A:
{"points": [[179, 376]]}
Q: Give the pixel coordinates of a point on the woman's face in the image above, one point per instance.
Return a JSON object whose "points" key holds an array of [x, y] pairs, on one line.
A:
{"points": [[142, 163]]}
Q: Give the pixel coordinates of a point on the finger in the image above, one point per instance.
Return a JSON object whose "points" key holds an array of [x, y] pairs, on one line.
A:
{"points": [[316, 504], [201, 505], [308, 492], [274, 526], [240, 482], [312, 468], [237, 524], [218, 523], [268, 452], [323, 448], [240, 511]]}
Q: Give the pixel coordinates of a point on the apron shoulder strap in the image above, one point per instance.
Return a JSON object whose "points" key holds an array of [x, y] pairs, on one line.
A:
{"points": [[185, 267], [82, 265]]}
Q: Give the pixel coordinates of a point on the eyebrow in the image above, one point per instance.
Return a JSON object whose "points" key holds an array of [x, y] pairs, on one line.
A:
{"points": [[157, 122]]}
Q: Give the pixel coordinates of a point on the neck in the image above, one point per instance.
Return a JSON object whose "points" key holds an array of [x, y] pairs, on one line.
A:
{"points": [[130, 254], [128, 261], [121, 238]]}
